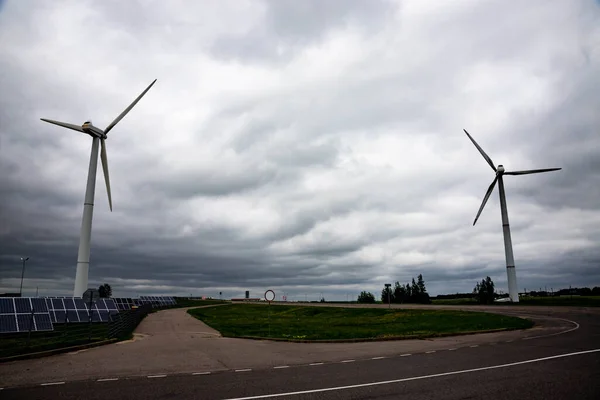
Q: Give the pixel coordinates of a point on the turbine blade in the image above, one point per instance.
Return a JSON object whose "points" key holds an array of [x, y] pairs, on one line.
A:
{"points": [[120, 117], [64, 124], [487, 158], [532, 171], [105, 169], [485, 199]]}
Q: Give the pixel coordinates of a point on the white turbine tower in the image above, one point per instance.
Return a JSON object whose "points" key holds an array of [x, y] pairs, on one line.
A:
{"points": [[510, 262], [98, 136]]}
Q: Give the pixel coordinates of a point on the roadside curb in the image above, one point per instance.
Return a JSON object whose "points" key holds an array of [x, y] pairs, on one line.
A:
{"points": [[56, 351]]}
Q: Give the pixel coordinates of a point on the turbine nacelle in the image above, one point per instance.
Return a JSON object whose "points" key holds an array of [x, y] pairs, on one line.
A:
{"points": [[92, 130], [500, 169]]}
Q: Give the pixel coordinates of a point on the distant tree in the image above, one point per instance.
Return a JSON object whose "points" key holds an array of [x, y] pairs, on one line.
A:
{"points": [[422, 296], [384, 295], [414, 289], [421, 284], [366, 297], [596, 291], [399, 293], [105, 290], [484, 291]]}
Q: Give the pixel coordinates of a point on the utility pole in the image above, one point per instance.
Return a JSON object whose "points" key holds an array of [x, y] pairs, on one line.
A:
{"points": [[22, 274]]}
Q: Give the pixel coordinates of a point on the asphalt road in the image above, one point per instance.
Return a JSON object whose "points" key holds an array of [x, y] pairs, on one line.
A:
{"points": [[555, 366]]}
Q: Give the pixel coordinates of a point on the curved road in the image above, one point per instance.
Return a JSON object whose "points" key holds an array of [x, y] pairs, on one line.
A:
{"points": [[175, 356]]}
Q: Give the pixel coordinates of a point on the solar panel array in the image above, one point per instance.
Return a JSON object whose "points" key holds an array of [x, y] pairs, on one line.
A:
{"points": [[22, 314], [126, 303], [158, 301], [16, 315], [74, 309]]}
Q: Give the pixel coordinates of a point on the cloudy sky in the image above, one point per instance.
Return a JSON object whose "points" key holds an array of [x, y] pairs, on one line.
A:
{"points": [[304, 146]]}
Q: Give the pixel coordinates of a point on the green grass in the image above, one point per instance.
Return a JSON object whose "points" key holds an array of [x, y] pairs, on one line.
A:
{"points": [[64, 335], [335, 323], [578, 301]]}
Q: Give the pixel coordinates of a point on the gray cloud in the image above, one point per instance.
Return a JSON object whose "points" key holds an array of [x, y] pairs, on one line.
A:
{"points": [[303, 146]]}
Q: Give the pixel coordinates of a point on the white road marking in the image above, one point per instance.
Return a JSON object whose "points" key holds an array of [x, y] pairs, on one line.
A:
{"points": [[281, 366], [315, 364], [509, 341], [157, 376], [243, 370], [414, 378], [377, 358], [107, 379], [430, 351], [557, 333], [201, 373], [475, 345], [405, 355], [52, 383], [452, 349], [347, 361]]}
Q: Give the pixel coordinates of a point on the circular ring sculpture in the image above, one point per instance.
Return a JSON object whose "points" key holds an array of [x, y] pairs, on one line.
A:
{"points": [[271, 297]]}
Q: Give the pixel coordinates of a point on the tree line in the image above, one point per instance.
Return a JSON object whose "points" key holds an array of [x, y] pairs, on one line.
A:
{"points": [[413, 292]]}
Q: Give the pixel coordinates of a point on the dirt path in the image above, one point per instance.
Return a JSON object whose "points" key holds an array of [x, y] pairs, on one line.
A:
{"points": [[172, 341]]}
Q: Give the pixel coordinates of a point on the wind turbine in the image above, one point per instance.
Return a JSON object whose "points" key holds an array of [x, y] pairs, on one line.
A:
{"points": [[98, 136], [500, 172]]}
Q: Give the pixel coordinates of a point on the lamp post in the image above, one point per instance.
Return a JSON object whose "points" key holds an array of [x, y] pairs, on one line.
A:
{"points": [[388, 287], [22, 274]]}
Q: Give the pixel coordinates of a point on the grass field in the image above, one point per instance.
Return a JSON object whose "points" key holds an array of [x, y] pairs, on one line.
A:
{"points": [[581, 301], [336, 323], [64, 335]]}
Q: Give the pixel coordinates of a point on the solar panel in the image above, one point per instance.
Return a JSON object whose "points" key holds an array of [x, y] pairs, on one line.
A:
{"points": [[24, 314], [123, 303], [74, 309]]}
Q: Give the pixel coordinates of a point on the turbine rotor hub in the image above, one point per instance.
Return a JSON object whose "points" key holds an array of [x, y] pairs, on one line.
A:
{"points": [[500, 169]]}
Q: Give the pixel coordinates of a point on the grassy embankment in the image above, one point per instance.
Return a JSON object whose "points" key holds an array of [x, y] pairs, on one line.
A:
{"points": [[579, 301], [63, 335], [337, 323]]}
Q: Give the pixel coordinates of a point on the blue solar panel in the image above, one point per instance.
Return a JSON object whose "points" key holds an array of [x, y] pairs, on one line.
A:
{"points": [[76, 310], [69, 304], [8, 323], [24, 322], [43, 322], [23, 305], [39, 305], [7, 306], [22, 314]]}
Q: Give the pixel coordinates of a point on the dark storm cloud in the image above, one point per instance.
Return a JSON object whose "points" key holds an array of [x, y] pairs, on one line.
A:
{"points": [[336, 170]]}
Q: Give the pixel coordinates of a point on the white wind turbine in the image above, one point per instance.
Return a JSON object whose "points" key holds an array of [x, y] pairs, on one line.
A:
{"points": [[98, 136], [500, 172]]}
